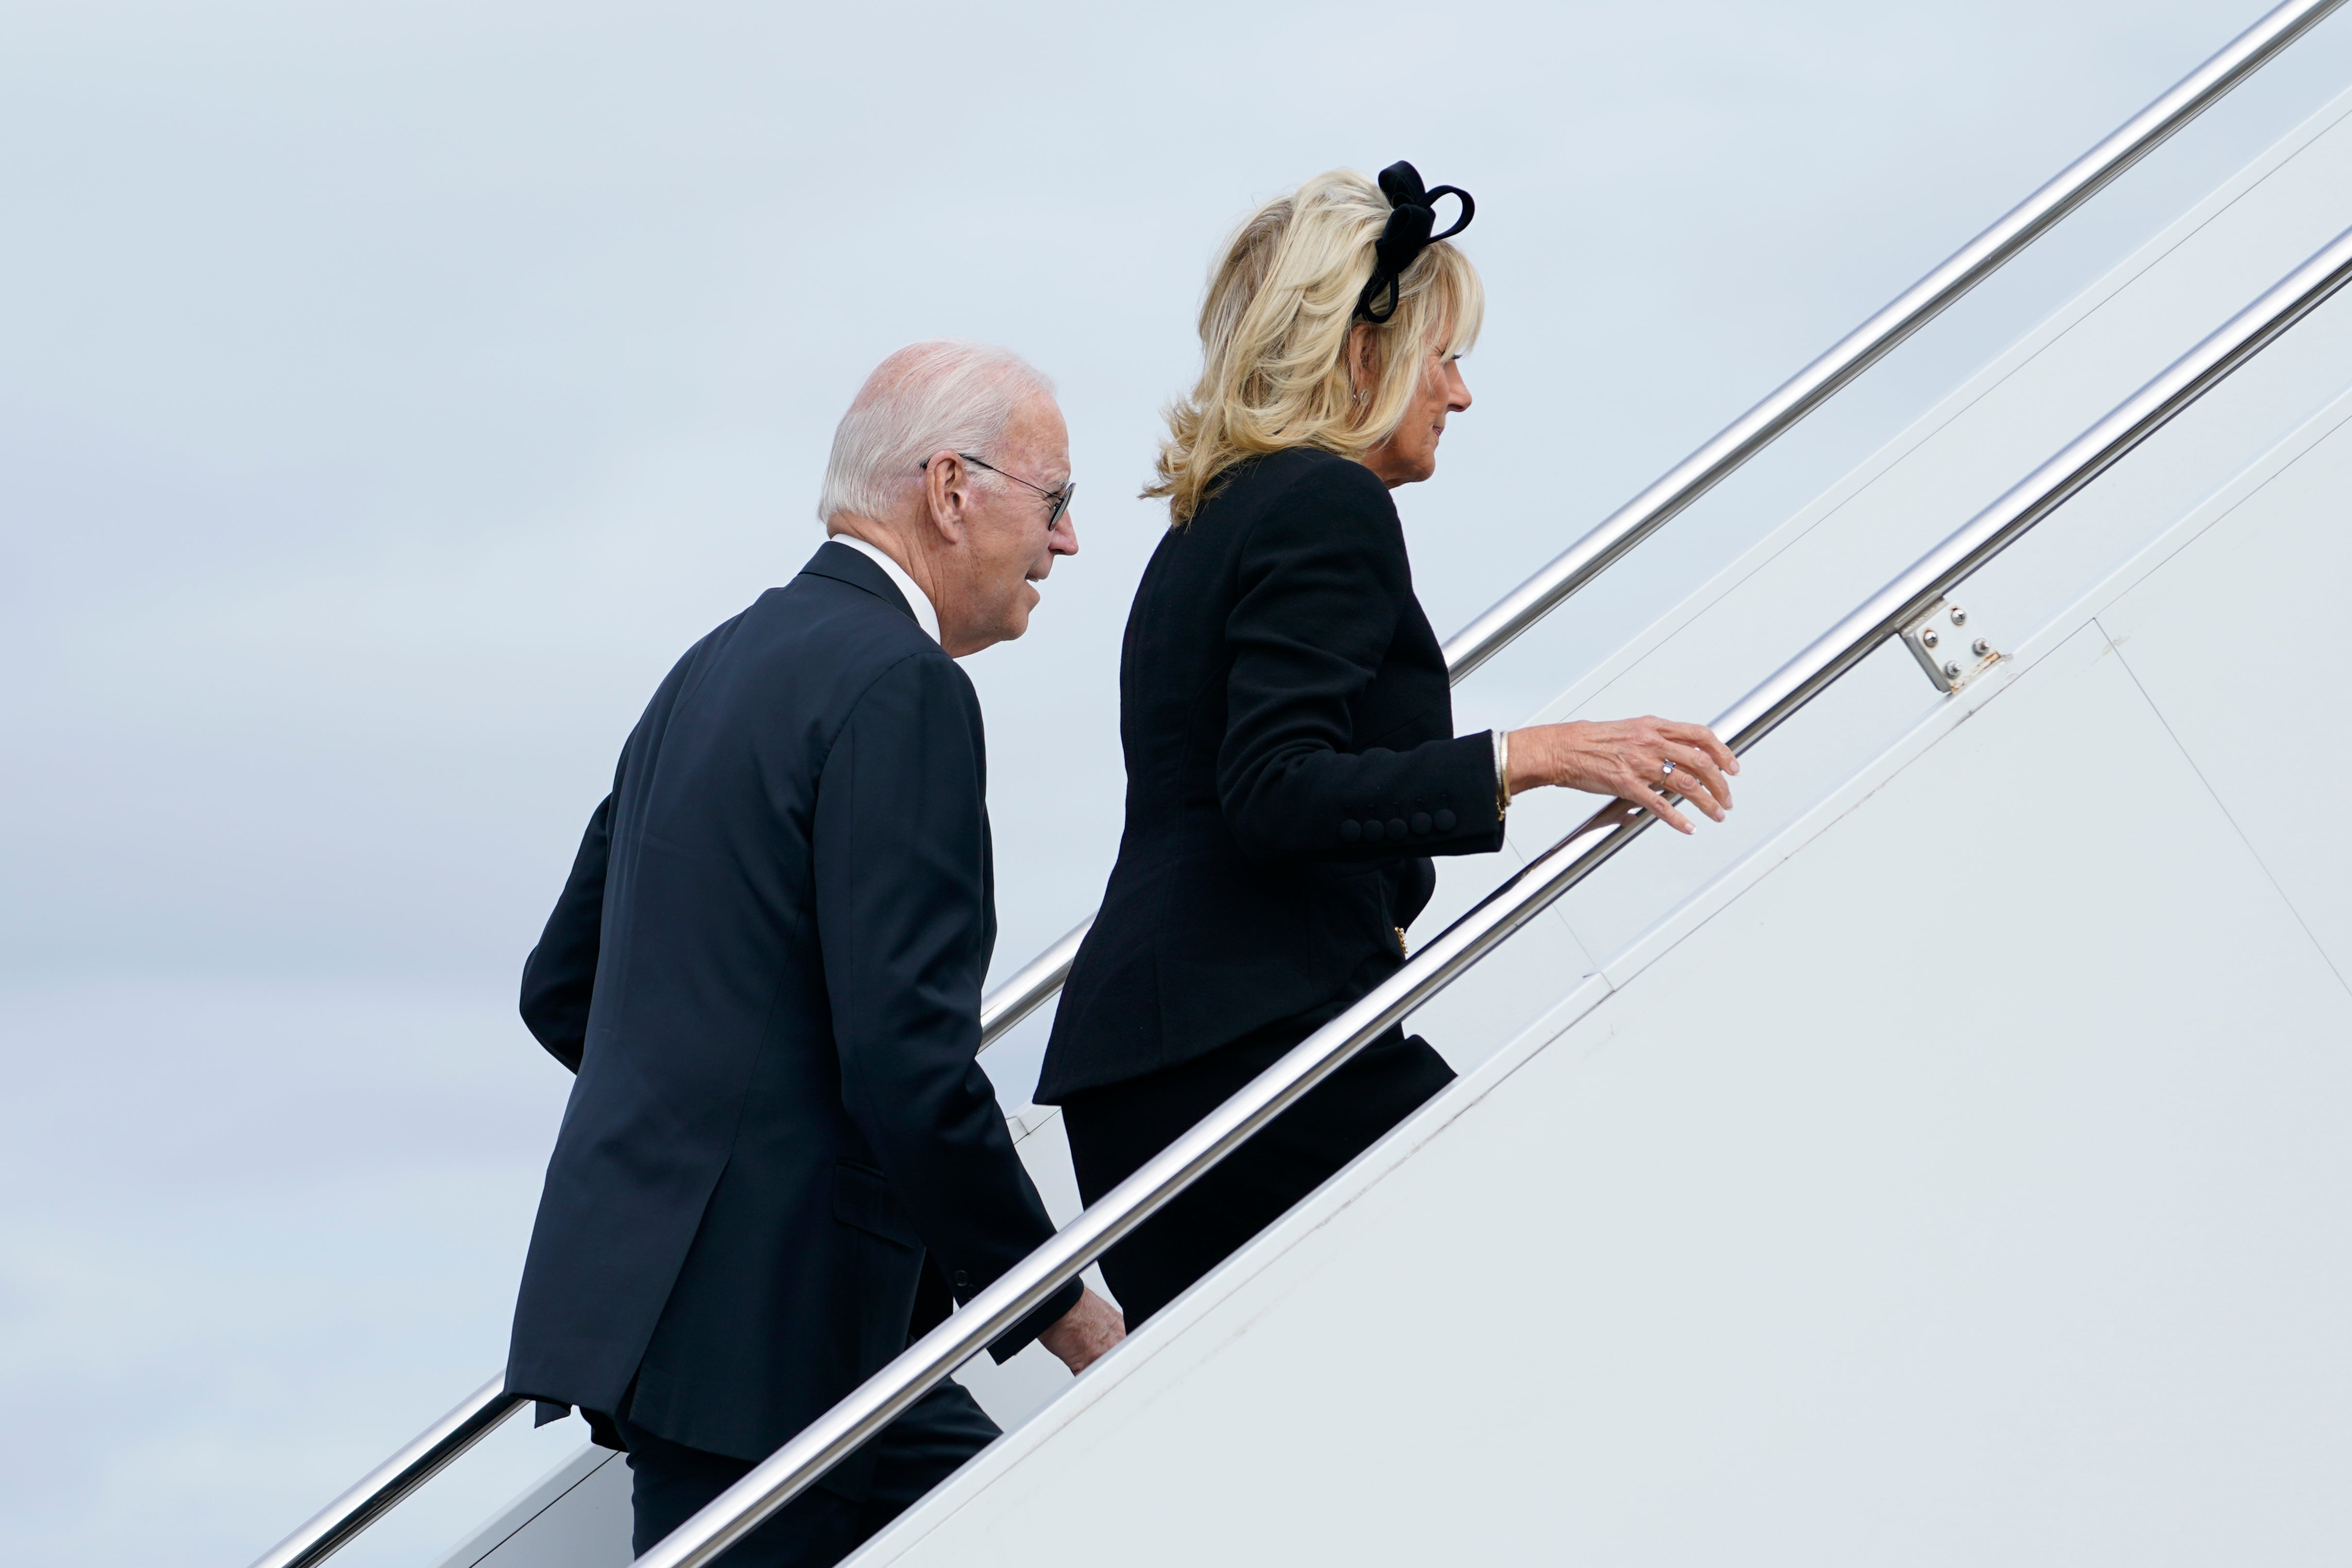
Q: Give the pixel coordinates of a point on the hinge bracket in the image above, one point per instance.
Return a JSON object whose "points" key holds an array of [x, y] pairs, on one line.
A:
{"points": [[1946, 646]]}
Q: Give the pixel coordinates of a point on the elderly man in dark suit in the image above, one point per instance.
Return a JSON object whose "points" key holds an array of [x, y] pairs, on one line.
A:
{"points": [[781, 1160]]}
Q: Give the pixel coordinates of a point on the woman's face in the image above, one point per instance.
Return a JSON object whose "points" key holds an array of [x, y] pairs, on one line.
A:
{"points": [[1409, 456]]}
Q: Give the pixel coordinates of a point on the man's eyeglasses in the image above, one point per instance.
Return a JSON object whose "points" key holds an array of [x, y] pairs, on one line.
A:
{"points": [[1058, 501]]}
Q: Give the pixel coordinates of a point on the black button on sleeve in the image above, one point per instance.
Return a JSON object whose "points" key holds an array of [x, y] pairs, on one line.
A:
{"points": [[1350, 831], [1420, 823], [1372, 830], [1445, 822], [1396, 827]]}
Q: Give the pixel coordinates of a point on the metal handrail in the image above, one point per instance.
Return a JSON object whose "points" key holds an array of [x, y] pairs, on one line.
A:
{"points": [[884, 1396], [381, 1488], [1871, 342], [1758, 428], [1028, 989]]}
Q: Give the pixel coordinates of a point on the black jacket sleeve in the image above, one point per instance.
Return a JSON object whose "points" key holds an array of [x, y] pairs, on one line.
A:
{"points": [[1324, 582], [560, 975], [904, 919]]}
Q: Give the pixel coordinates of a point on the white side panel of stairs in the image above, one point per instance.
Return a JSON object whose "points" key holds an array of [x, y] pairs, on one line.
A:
{"points": [[577, 1517], [1962, 1180], [2274, 751]]}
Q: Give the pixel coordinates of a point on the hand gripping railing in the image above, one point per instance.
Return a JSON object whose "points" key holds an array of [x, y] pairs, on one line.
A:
{"points": [[882, 1397], [1033, 985]]}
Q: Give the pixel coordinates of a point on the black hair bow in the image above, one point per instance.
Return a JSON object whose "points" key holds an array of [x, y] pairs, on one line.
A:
{"points": [[1407, 233]]}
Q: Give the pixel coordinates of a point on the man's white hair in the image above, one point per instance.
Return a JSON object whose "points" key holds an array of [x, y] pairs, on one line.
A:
{"points": [[949, 395]]}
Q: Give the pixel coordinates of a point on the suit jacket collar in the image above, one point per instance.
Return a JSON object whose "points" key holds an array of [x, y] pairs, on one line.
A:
{"points": [[845, 564]]}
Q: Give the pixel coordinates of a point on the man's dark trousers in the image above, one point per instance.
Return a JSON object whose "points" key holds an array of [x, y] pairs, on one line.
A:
{"points": [[818, 1528]]}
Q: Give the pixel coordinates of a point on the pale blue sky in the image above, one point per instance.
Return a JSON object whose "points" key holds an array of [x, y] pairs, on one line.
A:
{"points": [[389, 395]]}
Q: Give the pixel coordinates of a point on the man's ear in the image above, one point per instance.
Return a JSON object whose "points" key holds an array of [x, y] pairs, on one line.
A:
{"points": [[947, 495]]}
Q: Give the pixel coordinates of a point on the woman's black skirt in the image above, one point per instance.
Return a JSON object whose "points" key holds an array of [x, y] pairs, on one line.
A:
{"points": [[1115, 1128]]}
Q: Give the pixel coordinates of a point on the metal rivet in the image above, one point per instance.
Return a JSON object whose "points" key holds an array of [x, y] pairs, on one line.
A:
{"points": [[1951, 672], [1959, 616], [1928, 639], [1981, 648]]}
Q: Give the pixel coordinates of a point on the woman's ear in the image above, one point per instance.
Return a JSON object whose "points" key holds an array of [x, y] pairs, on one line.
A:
{"points": [[1360, 361]]}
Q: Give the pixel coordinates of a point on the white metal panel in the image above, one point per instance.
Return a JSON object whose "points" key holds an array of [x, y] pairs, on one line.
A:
{"points": [[1971, 1188], [2277, 750], [577, 1517]]}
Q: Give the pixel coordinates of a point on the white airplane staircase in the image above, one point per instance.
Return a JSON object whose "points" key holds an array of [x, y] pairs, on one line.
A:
{"points": [[1943, 1162]]}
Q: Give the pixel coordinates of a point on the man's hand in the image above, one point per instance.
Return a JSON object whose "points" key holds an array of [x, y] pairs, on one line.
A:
{"points": [[1085, 1331]]}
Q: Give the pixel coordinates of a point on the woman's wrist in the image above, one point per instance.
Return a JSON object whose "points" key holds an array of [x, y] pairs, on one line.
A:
{"points": [[1524, 753]]}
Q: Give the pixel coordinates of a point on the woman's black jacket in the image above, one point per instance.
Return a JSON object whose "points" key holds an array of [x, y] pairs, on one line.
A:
{"points": [[1291, 764]]}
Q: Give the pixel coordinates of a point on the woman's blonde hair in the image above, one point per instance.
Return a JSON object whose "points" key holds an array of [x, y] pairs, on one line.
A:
{"points": [[1274, 329]]}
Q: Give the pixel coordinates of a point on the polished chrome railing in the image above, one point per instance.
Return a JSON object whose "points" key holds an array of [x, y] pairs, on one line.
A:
{"points": [[382, 1488], [1871, 342], [1027, 990], [882, 1397]]}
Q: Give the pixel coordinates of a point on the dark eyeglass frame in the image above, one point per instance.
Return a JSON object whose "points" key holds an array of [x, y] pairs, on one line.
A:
{"points": [[1057, 501]]}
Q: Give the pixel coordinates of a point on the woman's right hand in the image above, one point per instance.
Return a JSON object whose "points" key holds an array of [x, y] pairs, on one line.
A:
{"points": [[1627, 758]]}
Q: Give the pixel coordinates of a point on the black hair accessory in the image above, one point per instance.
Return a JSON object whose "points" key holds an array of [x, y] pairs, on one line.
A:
{"points": [[1407, 233]]}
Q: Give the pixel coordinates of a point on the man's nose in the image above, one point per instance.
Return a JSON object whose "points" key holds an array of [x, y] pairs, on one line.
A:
{"points": [[1063, 538]]}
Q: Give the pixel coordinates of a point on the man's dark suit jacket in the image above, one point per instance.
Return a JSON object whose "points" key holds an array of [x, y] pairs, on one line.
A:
{"points": [[1291, 766], [766, 971]]}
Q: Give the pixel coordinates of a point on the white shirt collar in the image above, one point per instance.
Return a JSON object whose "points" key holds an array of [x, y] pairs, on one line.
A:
{"points": [[917, 600]]}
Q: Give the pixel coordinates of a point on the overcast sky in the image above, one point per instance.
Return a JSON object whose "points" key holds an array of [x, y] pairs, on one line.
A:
{"points": [[388, 396]]}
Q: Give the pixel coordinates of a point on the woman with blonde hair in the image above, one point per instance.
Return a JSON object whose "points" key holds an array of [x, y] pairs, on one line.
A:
{"points": [[1289, 726]]}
